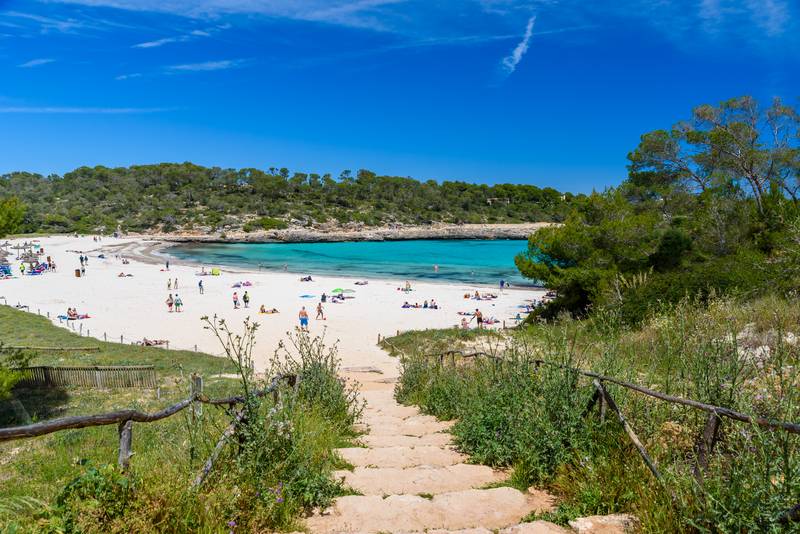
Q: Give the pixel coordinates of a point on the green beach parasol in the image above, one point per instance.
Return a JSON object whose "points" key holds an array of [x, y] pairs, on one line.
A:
{"points": [[338, 290]]}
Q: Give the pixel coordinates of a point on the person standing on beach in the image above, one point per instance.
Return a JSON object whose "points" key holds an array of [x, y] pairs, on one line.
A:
{"points": [[169, 284], [200, 286], [167, 265], [170, 302], [235, 300], [246, 299], [303, 315], [175, 284], [320, 312], [479, 318], [178, 303]]}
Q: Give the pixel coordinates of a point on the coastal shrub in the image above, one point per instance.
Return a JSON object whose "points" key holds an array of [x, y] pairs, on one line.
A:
{"points": [[264, 223], [741, 355]]}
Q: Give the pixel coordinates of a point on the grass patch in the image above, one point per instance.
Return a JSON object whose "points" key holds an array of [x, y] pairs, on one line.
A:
{"points": [[277, 468]]}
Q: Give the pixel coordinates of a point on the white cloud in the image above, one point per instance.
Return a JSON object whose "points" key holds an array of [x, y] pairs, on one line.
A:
{"points": [[35, 63], [511, 61], [159, 42], [206, 66], [79, 110], [129, 76]]}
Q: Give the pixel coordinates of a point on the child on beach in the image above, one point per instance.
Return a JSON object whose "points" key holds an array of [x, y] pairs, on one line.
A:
{"points": [[200, 286], [175, 285], [178, 303], [170, 302], [303, 316], [169, 284], [235, 300], [320, 312]]}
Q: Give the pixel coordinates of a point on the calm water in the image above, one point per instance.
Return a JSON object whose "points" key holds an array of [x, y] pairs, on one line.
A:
{"points": [[477, 261]]}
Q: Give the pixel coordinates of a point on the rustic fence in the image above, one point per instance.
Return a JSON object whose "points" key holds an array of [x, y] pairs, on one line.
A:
{"points": [[601, 397], [133, 376], [124, 420]]}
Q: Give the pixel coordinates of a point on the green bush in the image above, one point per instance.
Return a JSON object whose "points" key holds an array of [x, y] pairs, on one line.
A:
{"points": [[264, 223]]}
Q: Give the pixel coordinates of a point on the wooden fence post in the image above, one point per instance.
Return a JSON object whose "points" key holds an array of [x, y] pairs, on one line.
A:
{"points": [[197, 390], [705, 443], [125, 439]]}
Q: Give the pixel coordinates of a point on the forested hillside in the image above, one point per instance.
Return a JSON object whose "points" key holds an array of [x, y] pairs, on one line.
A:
{"points": [[185, 196]]}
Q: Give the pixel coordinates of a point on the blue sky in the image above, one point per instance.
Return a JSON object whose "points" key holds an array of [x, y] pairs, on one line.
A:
{"points": [[549, 92]]}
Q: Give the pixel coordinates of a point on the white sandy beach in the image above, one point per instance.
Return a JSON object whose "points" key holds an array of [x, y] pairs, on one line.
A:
{"points": [[134, 307]]}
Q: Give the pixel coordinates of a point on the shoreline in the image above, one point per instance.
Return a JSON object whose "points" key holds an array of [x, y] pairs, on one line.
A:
{"points": [[157, 254], [337, 234]]}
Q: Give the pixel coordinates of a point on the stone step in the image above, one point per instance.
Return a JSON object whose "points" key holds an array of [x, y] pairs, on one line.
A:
{"points": [[536, 527], [401, 456], [439, 439], [419, 480], [412, 426], [489, 509]]}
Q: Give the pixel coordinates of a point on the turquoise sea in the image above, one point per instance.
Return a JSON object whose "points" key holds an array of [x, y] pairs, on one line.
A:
{"points": [[475, 261]]}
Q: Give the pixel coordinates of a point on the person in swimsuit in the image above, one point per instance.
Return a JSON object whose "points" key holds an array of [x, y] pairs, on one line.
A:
{"points": [[169, 284], [303, 315], [178, 303], [246, 299], [320, 312], [479, 318], [170, 302], [235, 300], [200, 286]]}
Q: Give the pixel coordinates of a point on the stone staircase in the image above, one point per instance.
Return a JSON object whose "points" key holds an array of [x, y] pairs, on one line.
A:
{"points": [[411, 479]]}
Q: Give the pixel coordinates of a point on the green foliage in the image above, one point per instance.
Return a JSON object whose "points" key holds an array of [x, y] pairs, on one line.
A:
{"points": [[96, 496], [708, 207], [742, 355], [171, 196], [12, 212], [10, 361]]}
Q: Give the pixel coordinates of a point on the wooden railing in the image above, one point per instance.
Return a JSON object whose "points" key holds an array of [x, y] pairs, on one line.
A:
{"points": [[116, 376], [124, 420], [705, 442]]}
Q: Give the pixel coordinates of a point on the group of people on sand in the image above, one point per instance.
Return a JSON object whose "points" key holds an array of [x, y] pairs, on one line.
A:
{"points": [[172, 285], [72, 314], [425, 305], [245, 300], [174, 302], [478, 316]]}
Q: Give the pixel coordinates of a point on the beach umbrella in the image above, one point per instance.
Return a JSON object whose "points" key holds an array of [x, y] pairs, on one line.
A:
{"points": [[338, 290]]}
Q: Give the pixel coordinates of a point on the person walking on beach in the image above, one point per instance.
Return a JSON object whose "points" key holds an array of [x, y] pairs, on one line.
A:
{"points": [[178, 303], [170, 302], [200, 286], [235, 300], [175, 284], [167, 265], [169, 284], [320, 312], [303, 316], [246, 299]]}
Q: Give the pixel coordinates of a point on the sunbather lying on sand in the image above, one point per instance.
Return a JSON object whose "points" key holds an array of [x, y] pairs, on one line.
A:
{"points": [[152, 342], [264, 309]]}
